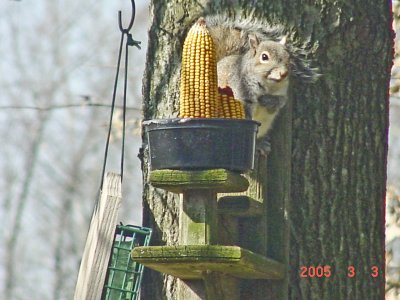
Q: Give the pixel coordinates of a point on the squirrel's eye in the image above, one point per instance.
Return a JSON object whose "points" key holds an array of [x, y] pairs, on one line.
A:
{"points": [[264, 56]]}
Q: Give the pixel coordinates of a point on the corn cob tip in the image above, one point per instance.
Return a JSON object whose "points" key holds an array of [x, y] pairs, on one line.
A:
{"points": [[198, 87]]}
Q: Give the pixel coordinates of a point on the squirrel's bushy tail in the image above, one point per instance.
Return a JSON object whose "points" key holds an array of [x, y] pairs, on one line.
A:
{"points": [[302, 66], [231, 37]]}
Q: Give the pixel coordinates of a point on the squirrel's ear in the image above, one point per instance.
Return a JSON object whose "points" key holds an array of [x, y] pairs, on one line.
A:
{"points": [[253, 41], [283, 40]]}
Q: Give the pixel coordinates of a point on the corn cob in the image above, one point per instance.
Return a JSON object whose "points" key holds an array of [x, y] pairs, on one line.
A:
{"points": [[198, 88], [229, 106], [199, 95]]}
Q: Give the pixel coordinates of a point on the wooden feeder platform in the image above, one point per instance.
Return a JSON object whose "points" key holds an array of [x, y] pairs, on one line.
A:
{"points": [[192, 261], [217, 180], [205, 261]]}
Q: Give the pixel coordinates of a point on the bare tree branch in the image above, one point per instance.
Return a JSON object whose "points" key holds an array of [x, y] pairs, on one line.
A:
{"points": [[63, 106]]}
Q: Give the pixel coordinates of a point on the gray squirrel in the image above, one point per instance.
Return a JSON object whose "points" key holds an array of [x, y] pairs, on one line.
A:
{"points": [[256, 63]]}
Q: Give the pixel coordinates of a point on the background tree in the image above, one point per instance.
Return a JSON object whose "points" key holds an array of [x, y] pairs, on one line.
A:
{"points": [[58, 63], [339, 137], [392, 198]]}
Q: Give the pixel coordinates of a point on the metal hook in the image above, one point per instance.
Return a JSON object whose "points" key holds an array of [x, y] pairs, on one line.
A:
{"points": [[126, 30]]}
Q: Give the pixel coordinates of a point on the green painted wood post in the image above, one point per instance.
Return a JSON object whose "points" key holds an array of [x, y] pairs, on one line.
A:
{"points": [[198, 218], [198, 225]]}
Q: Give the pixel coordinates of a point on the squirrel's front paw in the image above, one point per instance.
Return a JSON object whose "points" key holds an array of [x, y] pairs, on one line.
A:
{"points": [[263, 146]]}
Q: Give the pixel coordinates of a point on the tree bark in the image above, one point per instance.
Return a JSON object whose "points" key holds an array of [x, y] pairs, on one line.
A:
{"points": [[339, 154], [338, 143]]}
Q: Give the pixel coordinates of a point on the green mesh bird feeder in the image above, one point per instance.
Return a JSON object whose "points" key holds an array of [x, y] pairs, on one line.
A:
{"points": [[124, 275]]}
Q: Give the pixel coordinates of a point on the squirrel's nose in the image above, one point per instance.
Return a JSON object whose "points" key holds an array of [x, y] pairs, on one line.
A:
{"points": [[278, 75], [284, 74]]}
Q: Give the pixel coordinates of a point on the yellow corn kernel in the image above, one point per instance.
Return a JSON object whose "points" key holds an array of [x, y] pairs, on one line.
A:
{"points": [[229, 106], [198, 87]]}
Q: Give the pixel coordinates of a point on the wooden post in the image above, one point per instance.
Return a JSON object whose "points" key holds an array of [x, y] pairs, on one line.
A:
{"points": [[198, 218], [93, 268], [198, 226]]}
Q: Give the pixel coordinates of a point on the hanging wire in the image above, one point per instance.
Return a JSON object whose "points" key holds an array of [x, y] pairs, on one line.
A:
{"points": [[130, 42]]}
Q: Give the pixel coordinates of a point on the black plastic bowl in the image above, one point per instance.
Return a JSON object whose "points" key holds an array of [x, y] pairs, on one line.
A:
{"points": [[195, 144]]}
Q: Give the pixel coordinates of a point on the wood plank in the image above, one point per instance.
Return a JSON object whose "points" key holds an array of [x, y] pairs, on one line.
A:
{"points": [[218, 180], [96, 255], [239, 206], [241, 213], [190, 262], [256, 189]]}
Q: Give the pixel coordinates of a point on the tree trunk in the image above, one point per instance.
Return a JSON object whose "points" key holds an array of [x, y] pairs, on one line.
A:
{"points": [[338, 144], [339, 153]]}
